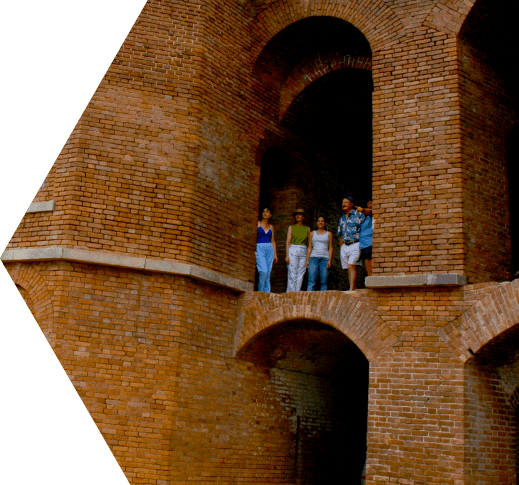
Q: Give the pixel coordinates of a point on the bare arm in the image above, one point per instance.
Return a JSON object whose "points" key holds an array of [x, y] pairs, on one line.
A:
{"points": [[309, 251], [274, 245], [289, 238], [330, 248]]}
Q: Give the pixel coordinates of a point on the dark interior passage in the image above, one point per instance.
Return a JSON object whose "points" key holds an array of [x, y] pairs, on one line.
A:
{"points": [[320, 380], [513, 183]]}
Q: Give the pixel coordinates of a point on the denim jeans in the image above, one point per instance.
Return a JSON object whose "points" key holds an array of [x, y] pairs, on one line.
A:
{"points": [[264, 260], [317, 265]]}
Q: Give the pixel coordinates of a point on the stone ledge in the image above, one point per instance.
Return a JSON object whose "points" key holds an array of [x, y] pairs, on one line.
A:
{"points": [[420, 280], [47, 206], [167, 266]]}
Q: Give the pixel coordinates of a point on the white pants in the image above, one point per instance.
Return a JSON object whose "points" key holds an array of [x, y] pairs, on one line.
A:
{"points": [[297, 267], [349, 254]]}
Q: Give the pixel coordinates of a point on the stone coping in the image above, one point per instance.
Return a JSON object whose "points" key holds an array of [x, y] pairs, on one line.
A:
{"points": [[419, 280], [167, 266], [170, 266], [47, 206]]}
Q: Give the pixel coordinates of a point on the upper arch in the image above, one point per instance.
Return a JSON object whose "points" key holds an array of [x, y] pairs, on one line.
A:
{"points": [[484, 321], [309, 70], [375, 20], [349, 314]]}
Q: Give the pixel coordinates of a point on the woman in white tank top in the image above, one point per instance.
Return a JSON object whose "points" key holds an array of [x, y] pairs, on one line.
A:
{"points": [[320, 252]]}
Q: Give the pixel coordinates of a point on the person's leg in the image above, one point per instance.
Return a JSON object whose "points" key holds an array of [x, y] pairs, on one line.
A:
{"points": [[292, 270], [344, 257], [312, 273], [261, 265], [301, 266], [353, 257], [323, 273], [352, 275], [269, 257], [368, 259], [369, 266]]}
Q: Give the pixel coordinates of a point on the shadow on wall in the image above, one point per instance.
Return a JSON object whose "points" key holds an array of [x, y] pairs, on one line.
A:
{"points": [[492, 426]]}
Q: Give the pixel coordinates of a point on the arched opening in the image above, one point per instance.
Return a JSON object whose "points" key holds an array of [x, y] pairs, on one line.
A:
{"points": [[315, 83], [319, 377], [491, 421]]}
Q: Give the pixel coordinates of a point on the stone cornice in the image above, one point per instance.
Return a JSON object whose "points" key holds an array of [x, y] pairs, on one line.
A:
{"points": [[419, 280], [89, 256], [47, 206]]}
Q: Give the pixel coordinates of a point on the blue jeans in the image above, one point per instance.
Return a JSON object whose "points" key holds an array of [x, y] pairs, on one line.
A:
{"points": [[317, 265], [264, 260]]}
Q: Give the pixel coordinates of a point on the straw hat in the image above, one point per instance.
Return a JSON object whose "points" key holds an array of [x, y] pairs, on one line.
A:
{"points": [[298, 211]]}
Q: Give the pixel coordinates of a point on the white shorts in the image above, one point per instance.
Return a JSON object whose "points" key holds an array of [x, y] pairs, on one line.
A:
{"points": [[349, 254]]}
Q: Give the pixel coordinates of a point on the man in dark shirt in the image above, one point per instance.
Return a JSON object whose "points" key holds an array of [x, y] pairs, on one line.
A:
{"points": [[349, 232]]}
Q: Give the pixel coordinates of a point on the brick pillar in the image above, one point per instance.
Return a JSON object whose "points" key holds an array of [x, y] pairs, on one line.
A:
{"points": [[417, 175]]}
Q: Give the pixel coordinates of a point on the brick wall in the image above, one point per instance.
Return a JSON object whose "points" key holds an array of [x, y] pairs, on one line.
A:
{"points": [[152, 356], [490, 429], [486, 119]]}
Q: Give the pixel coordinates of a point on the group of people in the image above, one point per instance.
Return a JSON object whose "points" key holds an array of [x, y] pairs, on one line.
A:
{"points": [[313, 250]]}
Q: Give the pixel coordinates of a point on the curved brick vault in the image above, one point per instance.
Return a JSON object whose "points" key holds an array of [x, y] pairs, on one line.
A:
{"points": [[484, 321], [375, 20], [349, 314], [448, 15], [36, 295], [311, 69]]}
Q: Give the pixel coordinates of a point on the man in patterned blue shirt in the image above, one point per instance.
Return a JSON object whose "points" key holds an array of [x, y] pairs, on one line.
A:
{"points": [[349, 232]]}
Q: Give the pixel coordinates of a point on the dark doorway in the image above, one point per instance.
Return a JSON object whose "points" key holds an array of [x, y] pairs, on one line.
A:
{"points": [[322, 143], [513, 183], [321, 380]]}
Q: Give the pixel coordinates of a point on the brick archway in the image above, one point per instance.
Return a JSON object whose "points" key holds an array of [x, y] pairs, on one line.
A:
{"points": [[484, 321], [378, 22], [349, 314], [33, 287]]}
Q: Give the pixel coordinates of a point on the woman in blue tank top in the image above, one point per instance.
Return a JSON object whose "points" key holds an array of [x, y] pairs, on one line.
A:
{"points": [[266, 251]]}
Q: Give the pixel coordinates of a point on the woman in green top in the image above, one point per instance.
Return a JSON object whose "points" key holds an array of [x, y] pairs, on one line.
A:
{"points": [[297, 245]]}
